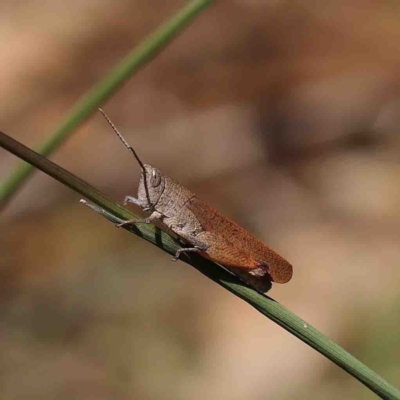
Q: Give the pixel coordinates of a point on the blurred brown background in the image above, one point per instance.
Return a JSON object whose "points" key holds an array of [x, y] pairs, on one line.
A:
{"points": [[282, 114]]}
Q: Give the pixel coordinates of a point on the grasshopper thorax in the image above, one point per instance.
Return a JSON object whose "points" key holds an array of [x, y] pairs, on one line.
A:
{"points": [[153, 189]]}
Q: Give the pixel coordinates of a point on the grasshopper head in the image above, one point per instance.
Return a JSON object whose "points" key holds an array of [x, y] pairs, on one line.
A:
{"points": [[151, 186]]}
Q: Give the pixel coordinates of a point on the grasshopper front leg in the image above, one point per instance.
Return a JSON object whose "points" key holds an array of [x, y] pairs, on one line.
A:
{"points": [[131, 199], [134, 200]]}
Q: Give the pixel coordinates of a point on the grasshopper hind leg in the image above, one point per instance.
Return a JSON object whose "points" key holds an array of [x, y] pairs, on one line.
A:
{"points": [[185, 250], [198, 246]]}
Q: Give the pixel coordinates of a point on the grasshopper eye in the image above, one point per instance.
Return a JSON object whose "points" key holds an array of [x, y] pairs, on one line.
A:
{"points": [[155, 179]]}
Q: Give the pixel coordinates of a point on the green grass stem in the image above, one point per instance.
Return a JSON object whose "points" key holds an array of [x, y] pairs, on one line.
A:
{"points": [[275, 311]]}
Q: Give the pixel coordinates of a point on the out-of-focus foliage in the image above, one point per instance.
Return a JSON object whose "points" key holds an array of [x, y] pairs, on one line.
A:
{"points": [[281, 114]]}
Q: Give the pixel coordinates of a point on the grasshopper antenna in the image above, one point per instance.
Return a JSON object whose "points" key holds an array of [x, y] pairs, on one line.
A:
{"points": [[130, 148]]}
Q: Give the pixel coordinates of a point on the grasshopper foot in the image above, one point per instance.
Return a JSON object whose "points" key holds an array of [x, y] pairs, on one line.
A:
{"points": [[133, 222]]}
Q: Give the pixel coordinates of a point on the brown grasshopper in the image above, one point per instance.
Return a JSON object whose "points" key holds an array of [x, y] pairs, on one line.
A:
{"points": [[208, 232]]}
